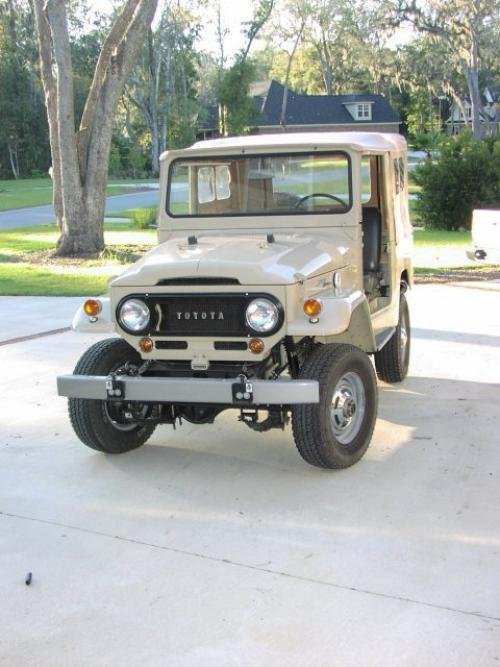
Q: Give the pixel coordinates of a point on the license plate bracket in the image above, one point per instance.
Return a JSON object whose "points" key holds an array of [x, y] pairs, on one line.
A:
{"points": [[242, 392]]}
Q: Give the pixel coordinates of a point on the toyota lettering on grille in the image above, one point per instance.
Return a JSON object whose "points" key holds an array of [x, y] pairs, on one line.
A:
{"points": [[200, 315]]}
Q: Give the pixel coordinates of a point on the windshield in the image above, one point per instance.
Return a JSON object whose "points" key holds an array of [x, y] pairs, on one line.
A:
{"points": [[282, 184]]}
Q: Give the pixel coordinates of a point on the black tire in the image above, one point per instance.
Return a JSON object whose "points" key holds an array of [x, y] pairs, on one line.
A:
{"points": [[393, 359], [346, 377], [91, 419]]}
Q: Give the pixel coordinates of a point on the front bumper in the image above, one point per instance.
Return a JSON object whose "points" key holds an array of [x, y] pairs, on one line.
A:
{"points": [[189, 390]]}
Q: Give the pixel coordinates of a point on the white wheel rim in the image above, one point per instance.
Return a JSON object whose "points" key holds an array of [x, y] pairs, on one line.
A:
{"points": [[348, 407]]}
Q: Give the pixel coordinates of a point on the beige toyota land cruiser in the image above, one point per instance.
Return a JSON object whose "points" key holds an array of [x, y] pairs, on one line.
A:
{"points": [[282, 265]]}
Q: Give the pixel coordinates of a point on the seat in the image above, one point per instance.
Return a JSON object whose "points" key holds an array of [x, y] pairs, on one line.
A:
{"points": [[372, 228]]}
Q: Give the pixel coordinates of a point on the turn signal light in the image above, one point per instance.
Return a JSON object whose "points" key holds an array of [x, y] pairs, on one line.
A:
{"points": [[92, 307], [146, 345], [256, 345], [312, 307]]}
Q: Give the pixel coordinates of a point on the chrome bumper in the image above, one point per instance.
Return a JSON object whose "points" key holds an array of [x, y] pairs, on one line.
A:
{"points": [[189, 390]]}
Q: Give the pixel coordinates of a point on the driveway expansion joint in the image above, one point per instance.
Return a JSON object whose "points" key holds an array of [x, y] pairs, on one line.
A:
{"points": [[256, 568], [41, 334]]}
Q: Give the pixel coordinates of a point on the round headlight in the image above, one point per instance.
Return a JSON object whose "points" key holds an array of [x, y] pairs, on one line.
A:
{"points": [[262, 315], [134, 315]]}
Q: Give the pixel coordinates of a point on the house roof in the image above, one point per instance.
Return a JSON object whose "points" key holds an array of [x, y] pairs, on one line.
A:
{"points": [[320, 109]]}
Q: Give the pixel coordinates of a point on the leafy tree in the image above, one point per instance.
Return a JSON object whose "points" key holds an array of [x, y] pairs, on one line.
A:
{"points": [[460, 25], [237, 109], [23, 142], [80, 159], [341, 50], [162, 86], [464, 177]]}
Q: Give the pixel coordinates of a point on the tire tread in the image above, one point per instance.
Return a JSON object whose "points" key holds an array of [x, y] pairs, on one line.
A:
{"points": [[307, 432], [92, 362], [388, 361]]}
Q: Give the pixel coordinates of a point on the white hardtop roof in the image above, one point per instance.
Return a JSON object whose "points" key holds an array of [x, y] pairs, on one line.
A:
{"points": [[357, 141]]}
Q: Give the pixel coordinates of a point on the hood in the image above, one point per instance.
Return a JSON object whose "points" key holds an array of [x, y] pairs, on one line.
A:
{"points": [[250, 259]]}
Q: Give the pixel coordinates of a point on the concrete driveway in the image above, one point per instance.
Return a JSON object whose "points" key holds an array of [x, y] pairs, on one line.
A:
{"points": [[216, 546]]}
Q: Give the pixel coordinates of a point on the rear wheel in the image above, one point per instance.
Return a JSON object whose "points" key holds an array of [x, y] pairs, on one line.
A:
{"points": [[103, 425], [336, 432], [393, 359]]}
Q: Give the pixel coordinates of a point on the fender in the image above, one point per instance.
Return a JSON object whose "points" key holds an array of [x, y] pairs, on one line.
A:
{"points": [[359, 332], [100, 324]]}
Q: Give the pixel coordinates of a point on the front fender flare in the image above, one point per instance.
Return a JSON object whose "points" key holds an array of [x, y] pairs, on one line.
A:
{"points": [[100, 324]]}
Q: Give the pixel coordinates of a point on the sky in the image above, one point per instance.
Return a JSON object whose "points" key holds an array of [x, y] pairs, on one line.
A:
{"points": [[234, 14]]}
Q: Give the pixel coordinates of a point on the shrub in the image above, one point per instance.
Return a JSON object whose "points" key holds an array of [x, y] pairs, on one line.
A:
{"points": [[429, 142], [143, 218], [466, 176]]}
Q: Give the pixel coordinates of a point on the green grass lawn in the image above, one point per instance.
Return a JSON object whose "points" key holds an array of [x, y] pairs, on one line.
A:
{"points": [[426, 238], [443, 270], [44, 237], [26, 280], [28, 192], [21, 276]]}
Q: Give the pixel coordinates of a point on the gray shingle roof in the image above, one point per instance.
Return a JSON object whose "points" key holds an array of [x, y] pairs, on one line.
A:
{"points": [[322, 109]]}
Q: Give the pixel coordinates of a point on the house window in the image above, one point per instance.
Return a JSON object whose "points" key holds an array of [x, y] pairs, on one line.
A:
{"points": [[363, 111], [467, 115]]}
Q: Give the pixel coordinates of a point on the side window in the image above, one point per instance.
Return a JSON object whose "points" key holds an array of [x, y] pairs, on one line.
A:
{"points": [[399, 174], [366, 180], [402, 175], [396, 176]]}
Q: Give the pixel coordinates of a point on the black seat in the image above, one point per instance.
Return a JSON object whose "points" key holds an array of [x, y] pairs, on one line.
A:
{"points": [[371, 239], [372, 229]]}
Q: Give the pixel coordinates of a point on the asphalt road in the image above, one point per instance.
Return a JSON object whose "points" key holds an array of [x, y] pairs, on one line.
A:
{"points": [[217, 546], [43, 215]]}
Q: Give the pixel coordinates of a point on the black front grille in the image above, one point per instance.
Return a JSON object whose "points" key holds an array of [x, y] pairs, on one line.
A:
{"points": [[201, 315], [212, 315]]}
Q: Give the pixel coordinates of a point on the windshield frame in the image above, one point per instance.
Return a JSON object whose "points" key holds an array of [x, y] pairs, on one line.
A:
{"points": [[259, 214]]}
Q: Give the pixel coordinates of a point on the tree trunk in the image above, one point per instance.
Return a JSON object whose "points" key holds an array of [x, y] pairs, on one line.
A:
{"points": [[326, 69], [471, 73], [155, 147], [287, 75], [80, 159], [49, 88], [75, 239], [13, 159]]}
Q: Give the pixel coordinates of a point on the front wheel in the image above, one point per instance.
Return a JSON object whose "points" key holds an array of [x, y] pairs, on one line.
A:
{"points": [[336, 432], [103, 425], [393, 359]]}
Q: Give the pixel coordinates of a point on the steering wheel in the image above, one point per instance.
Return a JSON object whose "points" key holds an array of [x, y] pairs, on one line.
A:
{"points": [[320, 194]]}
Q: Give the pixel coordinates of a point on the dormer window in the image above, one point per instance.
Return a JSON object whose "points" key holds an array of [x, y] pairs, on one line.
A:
{"points": [[363, 111]]}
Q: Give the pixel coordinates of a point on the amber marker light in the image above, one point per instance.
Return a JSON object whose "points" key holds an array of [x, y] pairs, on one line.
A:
{"points": [[312, 307], [92, 307], [256, 345], [146, 345]]}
